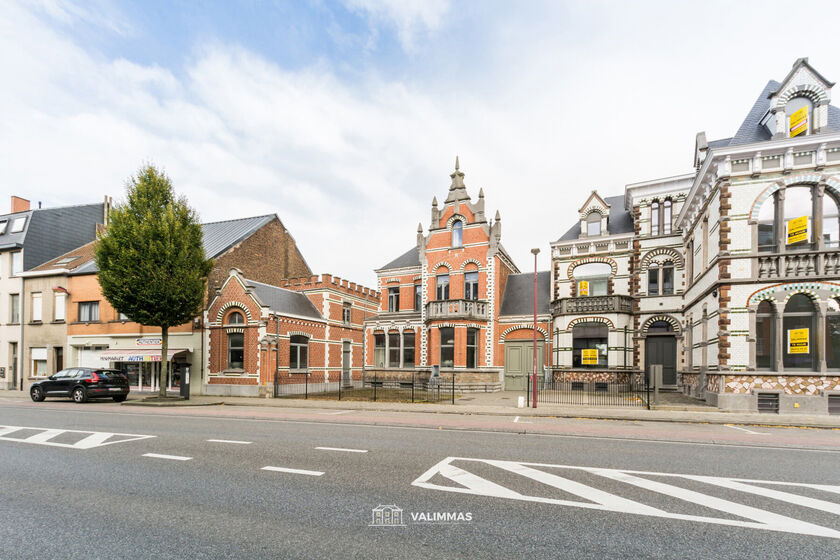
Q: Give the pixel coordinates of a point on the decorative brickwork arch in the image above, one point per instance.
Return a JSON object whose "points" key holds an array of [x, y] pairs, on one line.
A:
{"points": [[832, 185], [470, 261], [453, 218], [660, 255], [782, 292], [529, 327], [299, 333], [587, 260], [442, 264], [594, 210], [815, 93], [239, 306], [579, 320], [667, 318]]}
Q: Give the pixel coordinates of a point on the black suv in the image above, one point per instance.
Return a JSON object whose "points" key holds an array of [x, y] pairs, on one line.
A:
{"points": [[81, 384]]}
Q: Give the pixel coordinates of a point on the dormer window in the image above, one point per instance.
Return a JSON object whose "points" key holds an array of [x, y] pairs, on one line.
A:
{"points": [[799, 113], [593, 224], [457, 233]]}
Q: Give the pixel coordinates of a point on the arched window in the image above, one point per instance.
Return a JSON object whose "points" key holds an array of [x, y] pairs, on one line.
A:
{"points": [[832, 335], [235, 318], [653, 280], [592, 279], [457, 233], [235, 350], [660, 327], [767, 226], [667, 278], [666, 219], [379, 349], [765, 336], [799, 114], [593, 224], [654, 218], [798, 207], [442, 286], [393, 349], [298, 352], [589, 344], [799, 322]]}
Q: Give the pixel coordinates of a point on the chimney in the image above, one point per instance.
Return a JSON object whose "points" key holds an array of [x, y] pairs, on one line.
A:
{"points": [[19, 204]]}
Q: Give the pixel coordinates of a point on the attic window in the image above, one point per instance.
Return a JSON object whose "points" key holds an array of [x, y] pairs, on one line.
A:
{"points": [[17, 225], [799, 113], [593, 224], [3, 225], [66, 260]]}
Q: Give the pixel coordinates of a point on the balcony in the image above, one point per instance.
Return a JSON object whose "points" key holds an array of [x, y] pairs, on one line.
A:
{"points": [[793, 266], [457, 309], [593, 304]]}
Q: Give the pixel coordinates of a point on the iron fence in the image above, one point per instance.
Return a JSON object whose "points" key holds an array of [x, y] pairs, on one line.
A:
{"points": [[601, 389], [417, 388]]}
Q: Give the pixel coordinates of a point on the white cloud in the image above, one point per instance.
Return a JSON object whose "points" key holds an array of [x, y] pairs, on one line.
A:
{"points": [[411, 19]]}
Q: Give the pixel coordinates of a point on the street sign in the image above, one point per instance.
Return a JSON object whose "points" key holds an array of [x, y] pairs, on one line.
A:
{"points": [[798, 340]]}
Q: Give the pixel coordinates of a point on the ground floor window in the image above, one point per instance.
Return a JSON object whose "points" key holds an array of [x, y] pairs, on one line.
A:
{"points": [[236, 350], [832, 335], [379, 350], [765, 336], [447, 347], [589, 345], [39, 362], [394, 349], [799, 322], [472, 348], [299, 352], [408, 348]]}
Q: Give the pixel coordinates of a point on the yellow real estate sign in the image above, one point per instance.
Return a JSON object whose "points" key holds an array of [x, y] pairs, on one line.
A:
{"points": [[798, 122], [797, 230], [583, 288], [798, 341], [589, 357]]}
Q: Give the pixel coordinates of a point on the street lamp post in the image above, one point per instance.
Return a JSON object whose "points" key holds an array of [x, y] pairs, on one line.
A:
{"points": [[536, 252]]}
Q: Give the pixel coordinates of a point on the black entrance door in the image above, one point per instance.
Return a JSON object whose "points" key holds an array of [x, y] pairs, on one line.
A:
{"points": [[662, 350]]}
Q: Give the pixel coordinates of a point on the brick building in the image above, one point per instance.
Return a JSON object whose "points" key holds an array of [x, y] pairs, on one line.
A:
{"points": [[728, 276], [97, 335], [457, 300], [258, 334]]}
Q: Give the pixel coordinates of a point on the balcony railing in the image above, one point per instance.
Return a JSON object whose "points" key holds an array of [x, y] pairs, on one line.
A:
{"points": [[798, 265], [457, 309], [593, 304]]}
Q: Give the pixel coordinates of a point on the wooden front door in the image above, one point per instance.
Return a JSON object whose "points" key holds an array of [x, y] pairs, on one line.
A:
{"points": [[519, 363]]}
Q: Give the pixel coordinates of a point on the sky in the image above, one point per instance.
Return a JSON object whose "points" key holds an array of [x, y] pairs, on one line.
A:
{"points": [[344, 118]]}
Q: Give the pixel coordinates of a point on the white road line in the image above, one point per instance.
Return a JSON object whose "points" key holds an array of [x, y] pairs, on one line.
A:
{"points": [[292, 471], [91, 440], [516, 421], [342, 449], [43, 437], [172, 457], [229, 441], [746, 430], [335, 413]]}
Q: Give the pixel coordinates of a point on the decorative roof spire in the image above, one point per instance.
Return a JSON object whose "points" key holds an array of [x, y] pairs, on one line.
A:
{"points": [[457, 167], [434, 201], [481, 192], [457, 177], [419, 228], [498, 216]]}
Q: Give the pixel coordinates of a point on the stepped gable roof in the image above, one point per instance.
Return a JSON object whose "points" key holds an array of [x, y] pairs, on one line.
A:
{"points": [[619, 220], [283, 301], [518, 298]]}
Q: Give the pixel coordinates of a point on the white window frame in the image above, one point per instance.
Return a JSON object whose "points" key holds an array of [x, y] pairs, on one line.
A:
{"points": [[60, 307], [37, 307]]}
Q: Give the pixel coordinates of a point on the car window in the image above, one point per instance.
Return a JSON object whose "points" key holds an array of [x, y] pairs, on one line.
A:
{"points": [[63, 374], [108, 373], [80, 373]]}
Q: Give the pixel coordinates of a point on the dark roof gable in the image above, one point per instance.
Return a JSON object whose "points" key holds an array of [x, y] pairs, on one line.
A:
{"points": [[518, 298], [283, 301], [619, 220]]}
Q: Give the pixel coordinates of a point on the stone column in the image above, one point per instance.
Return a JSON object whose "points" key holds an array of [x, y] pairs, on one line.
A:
{"points": [[779, 350], [402, 342], [819, 343], [386, 361]]}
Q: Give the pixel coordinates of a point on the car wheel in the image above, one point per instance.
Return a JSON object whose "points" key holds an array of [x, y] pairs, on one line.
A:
{"points": [[79, 394], [37, 394], [119, 398]]}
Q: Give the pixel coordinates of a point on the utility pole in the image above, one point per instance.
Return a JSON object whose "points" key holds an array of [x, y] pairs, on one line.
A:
{"points": [[536, 252]]}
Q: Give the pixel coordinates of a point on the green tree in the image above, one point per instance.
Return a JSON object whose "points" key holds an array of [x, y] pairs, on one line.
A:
{"points": [[151, 258]]}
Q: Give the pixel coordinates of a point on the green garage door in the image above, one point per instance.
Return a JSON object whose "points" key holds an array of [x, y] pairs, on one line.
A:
{"points": [[519, 362]]}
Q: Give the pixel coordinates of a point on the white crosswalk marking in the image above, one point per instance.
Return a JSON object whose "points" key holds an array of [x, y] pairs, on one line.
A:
{"points": [[86, 439], [753, 517]]}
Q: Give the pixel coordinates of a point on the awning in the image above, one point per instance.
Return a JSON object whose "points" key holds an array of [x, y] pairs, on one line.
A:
{"points": [[131, 355]]}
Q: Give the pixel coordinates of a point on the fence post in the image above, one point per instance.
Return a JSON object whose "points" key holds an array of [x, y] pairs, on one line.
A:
{"points": [[374, 386], [412, 387], [647, 389], [453, 387], [340, 383], [527, 391], [306, 389]]}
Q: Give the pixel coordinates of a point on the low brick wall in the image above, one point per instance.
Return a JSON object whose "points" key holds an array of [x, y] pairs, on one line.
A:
{"points": [[622, 377], [466, 381]]}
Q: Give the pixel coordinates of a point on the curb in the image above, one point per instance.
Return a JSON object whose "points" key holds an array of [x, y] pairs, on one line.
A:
{"points": [[166, 404]]}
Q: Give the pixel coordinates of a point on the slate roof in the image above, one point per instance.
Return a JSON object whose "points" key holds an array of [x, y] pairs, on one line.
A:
{"points": [[221, 236], [619, 220], [281, 300], [49, 232], [409, 258], [218, 237], [518, 298]]}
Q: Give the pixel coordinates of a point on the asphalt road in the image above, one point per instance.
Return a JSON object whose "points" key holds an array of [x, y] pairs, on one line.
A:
{"points": [[562, 489]]}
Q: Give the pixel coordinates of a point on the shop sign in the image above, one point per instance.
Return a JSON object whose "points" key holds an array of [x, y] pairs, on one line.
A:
{"points": [[589, 357], [799, 122], [797, 230], [583, 288], [798, 341], [147, 341]]}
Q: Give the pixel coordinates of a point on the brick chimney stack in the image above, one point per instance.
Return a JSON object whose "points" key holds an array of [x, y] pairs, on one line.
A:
{"points": [[19, 204]]}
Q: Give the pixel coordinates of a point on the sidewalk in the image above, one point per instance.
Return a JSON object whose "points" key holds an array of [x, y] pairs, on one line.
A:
{"points": [[504, 404]]}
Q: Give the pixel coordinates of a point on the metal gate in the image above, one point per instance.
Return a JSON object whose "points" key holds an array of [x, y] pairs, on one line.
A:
{"points": [[600, 389]]}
